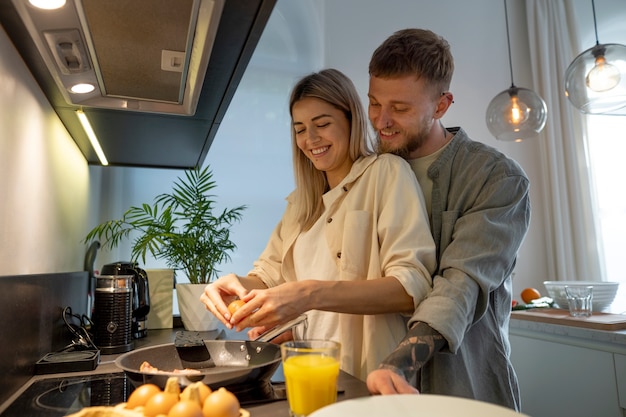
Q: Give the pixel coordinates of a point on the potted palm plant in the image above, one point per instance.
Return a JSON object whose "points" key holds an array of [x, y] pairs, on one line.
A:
{"points": [[181, 228]]}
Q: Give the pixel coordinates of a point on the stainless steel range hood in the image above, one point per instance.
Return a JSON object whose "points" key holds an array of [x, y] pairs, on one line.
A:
{"points": [[141, 55], [164, 71]]}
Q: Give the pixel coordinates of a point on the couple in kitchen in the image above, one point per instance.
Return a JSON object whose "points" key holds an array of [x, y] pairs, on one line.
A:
{"points": [[380, 271]]}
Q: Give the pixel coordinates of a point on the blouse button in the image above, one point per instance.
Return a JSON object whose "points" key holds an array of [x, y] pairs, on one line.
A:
{"points": [[338, 255], [329, 220]]}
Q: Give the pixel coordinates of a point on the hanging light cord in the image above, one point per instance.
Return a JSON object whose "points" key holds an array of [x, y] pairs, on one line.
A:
{"points": [[508, 41], [595, 26]]}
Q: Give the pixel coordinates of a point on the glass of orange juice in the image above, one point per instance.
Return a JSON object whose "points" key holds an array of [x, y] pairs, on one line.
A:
{"points": [[311, 369]]}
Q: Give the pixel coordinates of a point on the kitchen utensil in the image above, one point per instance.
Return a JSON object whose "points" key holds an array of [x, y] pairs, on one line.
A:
{"points": [[236, 362], [141, 294], [401, 405], [275, 331], [194, 354], [220, 362]]}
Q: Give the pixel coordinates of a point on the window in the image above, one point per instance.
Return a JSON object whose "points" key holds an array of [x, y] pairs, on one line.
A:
{"points": [[607, 157]]}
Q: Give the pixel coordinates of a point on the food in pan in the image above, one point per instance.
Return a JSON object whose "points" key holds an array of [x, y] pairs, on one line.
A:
{"points": [[149, 369]]}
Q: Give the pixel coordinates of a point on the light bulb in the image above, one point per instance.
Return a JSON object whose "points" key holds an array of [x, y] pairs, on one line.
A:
{"points": [[82, 88], [603, 76], [517, 112], [48, 4]]}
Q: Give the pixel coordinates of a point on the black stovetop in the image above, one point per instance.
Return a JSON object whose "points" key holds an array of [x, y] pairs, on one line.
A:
{"points": [[61, 396], [56, 397]]}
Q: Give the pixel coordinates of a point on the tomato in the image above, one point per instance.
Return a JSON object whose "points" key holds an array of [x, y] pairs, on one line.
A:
{"points": [[185, 408], [235, 305], [160, 403], [140, 396], [529, 294], [221, 403], [513, 303]]}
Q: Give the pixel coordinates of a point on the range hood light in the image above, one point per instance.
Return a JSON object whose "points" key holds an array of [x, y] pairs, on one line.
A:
{"points": [[47, 4], [82, 88], [92, 137]]}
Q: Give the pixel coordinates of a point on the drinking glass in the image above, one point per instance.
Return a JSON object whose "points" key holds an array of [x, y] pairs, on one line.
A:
{"points": [[579, 298], [311, 369]]}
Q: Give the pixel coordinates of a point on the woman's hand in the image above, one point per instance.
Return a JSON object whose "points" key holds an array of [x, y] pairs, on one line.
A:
{"points": [[218, 294], [270, 307]]}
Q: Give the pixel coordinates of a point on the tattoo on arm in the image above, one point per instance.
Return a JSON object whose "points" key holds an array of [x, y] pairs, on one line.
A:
{"points": [[417, 348]]}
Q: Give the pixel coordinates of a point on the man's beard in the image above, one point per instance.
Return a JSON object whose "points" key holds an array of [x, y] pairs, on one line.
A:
{"points": [[405, 149]]}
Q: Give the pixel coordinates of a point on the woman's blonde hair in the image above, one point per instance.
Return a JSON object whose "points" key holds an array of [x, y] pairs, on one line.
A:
{"points": [[333, 87]]}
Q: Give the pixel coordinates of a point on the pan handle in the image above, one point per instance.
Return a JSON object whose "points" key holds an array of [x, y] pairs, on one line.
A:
{"points": [[276, 330]]}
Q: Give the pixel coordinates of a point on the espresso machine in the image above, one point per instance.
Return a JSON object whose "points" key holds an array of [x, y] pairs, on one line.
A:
{"points": [[140, 294]]}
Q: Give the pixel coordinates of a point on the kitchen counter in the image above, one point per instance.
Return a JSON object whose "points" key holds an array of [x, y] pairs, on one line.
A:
{"points": [[566, 369], [540, 324], [350, 386]]}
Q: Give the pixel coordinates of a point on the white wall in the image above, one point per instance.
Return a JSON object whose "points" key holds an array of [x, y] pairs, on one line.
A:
{"points": [[43, 178]]}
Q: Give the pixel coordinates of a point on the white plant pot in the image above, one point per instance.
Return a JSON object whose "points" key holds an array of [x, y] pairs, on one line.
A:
{"points": [[193, 313]]}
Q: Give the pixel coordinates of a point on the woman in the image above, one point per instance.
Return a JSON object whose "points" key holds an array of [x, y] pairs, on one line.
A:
{"points": [[345, 251]]}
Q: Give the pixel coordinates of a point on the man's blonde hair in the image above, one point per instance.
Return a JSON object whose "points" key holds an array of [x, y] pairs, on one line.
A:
{"points": [[417, 52]]}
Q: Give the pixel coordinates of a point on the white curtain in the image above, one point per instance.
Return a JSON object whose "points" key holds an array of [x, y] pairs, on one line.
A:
{"points": [[571, 228]]}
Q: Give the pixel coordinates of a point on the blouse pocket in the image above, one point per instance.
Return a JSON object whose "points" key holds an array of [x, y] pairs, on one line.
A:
{"points": [[357, 245]]}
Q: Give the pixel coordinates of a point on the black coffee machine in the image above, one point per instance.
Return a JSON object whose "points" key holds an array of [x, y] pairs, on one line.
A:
{"points": [[141, 295]]}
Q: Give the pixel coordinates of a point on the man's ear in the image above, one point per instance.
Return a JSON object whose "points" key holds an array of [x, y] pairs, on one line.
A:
{"points": [[445, 101]]}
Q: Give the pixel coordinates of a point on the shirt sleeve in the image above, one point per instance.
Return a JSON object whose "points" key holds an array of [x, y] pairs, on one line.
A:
{"points": [[407, 249]]}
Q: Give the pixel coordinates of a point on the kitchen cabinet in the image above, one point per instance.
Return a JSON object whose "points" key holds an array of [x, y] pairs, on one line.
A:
{"points": [[569, 371]]}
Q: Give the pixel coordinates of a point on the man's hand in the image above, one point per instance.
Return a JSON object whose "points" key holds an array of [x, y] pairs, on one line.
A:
{"points": [[385, 382]]}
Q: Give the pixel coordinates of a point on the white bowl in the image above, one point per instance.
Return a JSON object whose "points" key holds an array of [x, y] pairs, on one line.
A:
{"points": [[603, 292]]}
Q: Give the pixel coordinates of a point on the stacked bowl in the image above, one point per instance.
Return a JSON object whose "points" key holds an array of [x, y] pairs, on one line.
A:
{"points": [[603, 293]]}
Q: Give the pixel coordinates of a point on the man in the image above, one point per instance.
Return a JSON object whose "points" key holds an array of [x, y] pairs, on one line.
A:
{"points": [[479, 212]]}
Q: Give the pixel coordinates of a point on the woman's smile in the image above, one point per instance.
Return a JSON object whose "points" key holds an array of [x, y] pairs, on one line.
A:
{"points": [[319, 151], [323, 133]]}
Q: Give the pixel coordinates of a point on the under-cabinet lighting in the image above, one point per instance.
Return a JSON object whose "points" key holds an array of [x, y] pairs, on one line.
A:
{"points": [[92, 136], [47, 4], [82, 88]]}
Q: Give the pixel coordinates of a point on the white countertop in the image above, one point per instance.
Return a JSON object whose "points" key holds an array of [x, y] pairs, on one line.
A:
{"points": [[612, 341]]}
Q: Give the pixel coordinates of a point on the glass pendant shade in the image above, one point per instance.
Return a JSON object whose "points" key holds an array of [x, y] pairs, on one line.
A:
{"points": [[516, 114], [595, 82]]}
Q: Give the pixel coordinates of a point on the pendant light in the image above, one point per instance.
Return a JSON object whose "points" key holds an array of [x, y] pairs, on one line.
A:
{"points": [[595, 81], [516, 113]]}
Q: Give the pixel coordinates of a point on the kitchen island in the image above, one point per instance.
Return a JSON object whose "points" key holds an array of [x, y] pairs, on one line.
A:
{"points": [[566, 368]]}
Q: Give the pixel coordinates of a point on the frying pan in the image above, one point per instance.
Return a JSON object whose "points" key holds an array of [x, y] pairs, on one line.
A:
{"points": [[235, 362], [224, 363]]}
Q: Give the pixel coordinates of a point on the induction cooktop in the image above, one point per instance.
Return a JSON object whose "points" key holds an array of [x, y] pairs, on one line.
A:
{"points": [[56, 397], [61, 396]]}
